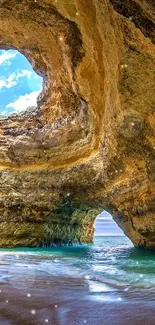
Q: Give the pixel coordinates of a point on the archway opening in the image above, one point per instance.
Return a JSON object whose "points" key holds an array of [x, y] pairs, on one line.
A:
{"points": [[20, 85], [106, 226]]}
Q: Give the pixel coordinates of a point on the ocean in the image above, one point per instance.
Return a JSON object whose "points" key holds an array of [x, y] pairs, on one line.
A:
{"points": [[108, 282]]}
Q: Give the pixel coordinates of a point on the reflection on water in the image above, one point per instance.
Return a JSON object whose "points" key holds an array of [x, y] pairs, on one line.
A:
{"points": [[110, 260], [110, 270]]}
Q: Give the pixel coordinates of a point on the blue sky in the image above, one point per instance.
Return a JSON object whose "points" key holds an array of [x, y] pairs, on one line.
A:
{"points": [[19, 84], [106, 226]]}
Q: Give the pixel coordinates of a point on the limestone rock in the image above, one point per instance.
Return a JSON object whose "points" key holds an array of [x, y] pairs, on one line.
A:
{"points": [[90, 144]]}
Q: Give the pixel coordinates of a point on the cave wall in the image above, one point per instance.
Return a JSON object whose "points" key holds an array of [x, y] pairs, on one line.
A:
{"points": [[90, 144]]}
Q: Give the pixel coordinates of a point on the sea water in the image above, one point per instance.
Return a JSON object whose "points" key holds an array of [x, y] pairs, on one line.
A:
{"points": [[111, 260], [109, 272]]}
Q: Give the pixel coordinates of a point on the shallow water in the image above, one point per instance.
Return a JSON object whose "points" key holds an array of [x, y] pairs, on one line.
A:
{"points": [[109, 282]]}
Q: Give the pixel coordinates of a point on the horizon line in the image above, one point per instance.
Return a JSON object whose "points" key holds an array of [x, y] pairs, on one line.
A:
{"points": [[110, 235]]}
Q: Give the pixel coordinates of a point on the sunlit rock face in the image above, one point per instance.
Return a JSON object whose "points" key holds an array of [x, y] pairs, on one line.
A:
{"points": [[90, 143]]}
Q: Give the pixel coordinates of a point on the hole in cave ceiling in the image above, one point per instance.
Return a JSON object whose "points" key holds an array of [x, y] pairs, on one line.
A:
{"points": [[19, 83]]}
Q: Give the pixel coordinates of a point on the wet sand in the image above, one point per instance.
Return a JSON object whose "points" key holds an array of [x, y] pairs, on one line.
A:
{"points": [[48, 302], [101, 284]]}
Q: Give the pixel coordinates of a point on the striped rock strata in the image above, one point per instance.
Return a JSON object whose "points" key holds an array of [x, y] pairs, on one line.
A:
{"points": [[90, 143]]}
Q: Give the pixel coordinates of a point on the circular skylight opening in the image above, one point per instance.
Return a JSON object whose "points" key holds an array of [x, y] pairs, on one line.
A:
{"points": [[19, 83]]}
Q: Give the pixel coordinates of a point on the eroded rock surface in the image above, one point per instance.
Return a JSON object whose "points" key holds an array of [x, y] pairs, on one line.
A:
{"points": [[90, 144]]}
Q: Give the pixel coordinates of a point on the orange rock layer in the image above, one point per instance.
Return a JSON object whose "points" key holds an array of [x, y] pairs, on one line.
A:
{"points": [[90, 144]]}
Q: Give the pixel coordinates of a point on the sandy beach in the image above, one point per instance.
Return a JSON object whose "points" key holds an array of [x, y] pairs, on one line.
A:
{"points": [[108, 283], [70, 305]]}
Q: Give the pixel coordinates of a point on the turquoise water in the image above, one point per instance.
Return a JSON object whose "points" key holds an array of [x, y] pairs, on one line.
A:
{"points": [[108, 282], [110, 260]]}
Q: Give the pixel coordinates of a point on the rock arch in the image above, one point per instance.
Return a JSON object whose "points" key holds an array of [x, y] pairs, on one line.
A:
{"points": [[90, 144]]}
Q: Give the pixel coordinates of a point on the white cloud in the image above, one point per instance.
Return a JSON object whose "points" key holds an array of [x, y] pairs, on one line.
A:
{"points": [[6, 57], [24, 101], [24, 73], [4, 112], [104, 218], [12, 80], [8, 83]]}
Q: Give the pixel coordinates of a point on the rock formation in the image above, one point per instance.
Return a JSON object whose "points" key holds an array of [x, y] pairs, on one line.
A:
{"points": [[90, 143]]}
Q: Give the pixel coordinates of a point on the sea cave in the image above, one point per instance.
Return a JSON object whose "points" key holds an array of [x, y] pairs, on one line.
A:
{"points": [[89, 145]]}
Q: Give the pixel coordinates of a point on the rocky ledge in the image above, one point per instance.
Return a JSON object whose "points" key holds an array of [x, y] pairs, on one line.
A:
{"points": [[90, 143]]}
